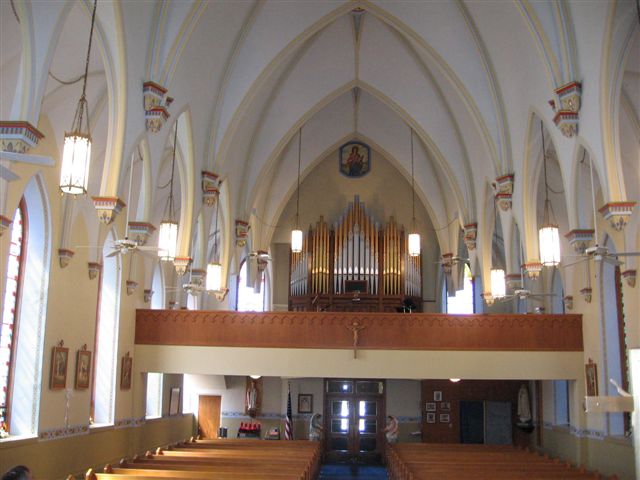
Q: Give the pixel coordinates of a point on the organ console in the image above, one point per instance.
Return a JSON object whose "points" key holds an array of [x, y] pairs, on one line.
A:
{"points": [[358, 265]]}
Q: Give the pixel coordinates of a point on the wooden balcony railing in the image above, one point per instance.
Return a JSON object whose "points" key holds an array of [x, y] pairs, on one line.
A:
{"points": [[378, 331]]}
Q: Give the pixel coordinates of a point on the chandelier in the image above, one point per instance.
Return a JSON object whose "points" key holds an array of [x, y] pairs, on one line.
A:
{"points": [[168, 232], [76, 153], [498, 285], [548, 235], [214, 269], [296, 233], [414, 236]]}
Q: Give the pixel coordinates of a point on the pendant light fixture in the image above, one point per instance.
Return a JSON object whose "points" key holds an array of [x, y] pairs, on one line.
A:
{"points": [[76, 153], [548, 235], [414, 236], [296, 233], [168, 232], [498, 286], [214, 269]]}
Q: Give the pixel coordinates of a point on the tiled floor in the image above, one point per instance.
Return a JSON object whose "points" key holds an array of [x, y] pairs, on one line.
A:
{"points": [[348, 472]]}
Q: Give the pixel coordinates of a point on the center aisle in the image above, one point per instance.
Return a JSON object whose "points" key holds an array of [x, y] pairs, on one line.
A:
{"points": [[348, 472]]}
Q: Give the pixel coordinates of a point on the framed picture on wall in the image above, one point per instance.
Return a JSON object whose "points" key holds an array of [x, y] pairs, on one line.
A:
{"points": [[437, 396], [59, 362], [174, 401], [305, 403], [83, 368], [591, 372], [445, 406], [431, 417], [125, 372], [445, 418], [431, 406]]}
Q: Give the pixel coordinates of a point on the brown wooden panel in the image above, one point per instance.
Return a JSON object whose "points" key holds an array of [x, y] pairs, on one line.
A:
{"points": [[382, 331], [209, 415]]}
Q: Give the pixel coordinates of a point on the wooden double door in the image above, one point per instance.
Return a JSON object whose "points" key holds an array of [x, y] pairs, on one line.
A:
{"points": [[354, 420]]}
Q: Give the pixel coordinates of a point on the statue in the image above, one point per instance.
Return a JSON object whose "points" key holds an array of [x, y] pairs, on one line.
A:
{"points": [[315, 428], [391, 430]]}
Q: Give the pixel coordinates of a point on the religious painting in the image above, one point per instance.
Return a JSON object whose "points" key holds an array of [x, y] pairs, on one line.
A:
{"points": [[355, 159], [591, 370], [83, 369], [445, 406], [59, 361], [445, 418], [431, 417], [125, 373], [437, 396], [431, 406], [174, 401], [305, 403]]}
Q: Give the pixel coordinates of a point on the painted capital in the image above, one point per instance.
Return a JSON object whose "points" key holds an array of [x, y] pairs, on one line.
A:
{"points": [[210, 190], [148, 293], [242, 232], [156, 103], [18, 136], [221, 294], [470, 235], [568, 302], [131, 286], [504, 191], [586, 294], [580, 239], [617, 213], [630, 277], [569, 96], [64, 256], [533, 269], [140, 232], [181, 264], [198, 275], [261, 260], [567, 122], [108, 208], [447, 263], [5, 223], [94, 269]]}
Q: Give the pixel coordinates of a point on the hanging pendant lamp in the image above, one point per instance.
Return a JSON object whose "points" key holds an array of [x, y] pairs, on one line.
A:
{"points": [[214, 269], [168, 232], [296, 233], [498, 284], [548, 235], [414, 236], [76, 153]]}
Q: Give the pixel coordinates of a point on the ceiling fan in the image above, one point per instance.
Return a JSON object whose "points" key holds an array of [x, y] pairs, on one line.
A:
{"points": [[524, 294], [122, 246]]}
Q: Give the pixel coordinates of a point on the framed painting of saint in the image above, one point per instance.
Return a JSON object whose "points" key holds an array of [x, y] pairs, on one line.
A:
{"points": [[83, 369], [59, 361], [355, 159]]}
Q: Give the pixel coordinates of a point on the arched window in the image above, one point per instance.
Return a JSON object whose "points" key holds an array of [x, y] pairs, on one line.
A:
{"points": [[462, 302], [105, 369], [249, 299], [9, 325]]}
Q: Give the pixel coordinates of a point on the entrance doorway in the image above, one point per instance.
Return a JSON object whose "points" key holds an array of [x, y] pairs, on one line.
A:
{"points": [[209, 415], [354, 420]]}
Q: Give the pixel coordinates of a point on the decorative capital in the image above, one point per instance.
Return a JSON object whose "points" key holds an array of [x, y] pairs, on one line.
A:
{"points": [[198, 275], [94, 269], [629, 277], [131, 286], [488, 298], [533, 269], [148, 293], [108, 208], [261, 260], [221, 294], [5, 223], [210, 190], [470, 235], [156, 103], [65, 256], [504, 191], [617, 213], [569, 96], [586, 294], [242, 232], [140, 232], [567, 122], [580, 239], [181, 264], [18, 136], [513, 281], [568, 302]]}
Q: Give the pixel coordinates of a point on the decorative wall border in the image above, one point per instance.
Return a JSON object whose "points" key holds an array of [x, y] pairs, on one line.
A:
{"points": [[63, 432], [577, 432]]}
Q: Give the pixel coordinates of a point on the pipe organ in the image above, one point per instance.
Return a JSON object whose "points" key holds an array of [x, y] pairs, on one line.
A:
{"points": [[358, 265]]}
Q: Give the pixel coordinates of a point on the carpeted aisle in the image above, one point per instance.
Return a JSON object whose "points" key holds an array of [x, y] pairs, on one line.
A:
{"points": [[348, 472]]}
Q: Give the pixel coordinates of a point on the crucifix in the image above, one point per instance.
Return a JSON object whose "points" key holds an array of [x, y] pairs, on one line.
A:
{"points": [[355, 328]]}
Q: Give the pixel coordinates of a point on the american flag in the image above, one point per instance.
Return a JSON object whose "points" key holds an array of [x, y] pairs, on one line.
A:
{"points": [[288, 420]]}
